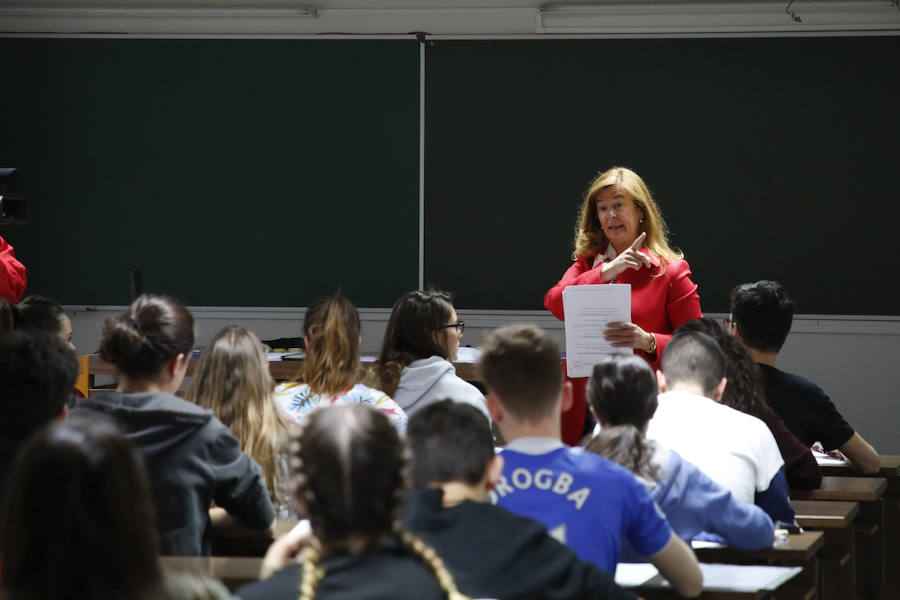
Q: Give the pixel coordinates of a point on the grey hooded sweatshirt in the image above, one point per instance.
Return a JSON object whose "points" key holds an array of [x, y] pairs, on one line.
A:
{"points": [[192, 459], [433, 379]]}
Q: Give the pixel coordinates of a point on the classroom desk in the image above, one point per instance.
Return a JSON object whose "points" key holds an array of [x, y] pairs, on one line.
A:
{"points": [[91, 365], [233, 571], [870, 541], [836, 559], [890, 470], [720, 581], [799, 550]]}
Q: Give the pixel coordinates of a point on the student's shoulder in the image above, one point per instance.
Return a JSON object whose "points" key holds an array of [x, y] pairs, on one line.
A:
{"points": [[290, 388], [364, 394], [597, 467], [283, 584], [790, 381]]}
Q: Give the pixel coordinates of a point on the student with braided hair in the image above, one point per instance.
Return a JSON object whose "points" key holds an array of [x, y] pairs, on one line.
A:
{"points": [[349, 482]]}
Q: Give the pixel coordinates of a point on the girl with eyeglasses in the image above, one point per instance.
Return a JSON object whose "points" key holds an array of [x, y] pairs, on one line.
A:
{"points": [[421, 341]]}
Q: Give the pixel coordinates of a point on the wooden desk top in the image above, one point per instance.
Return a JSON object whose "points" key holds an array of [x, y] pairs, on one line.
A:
{"points": [[280, 369], [890, 467], [824, 515], [232, 571], [800, 547], [858, 489]]}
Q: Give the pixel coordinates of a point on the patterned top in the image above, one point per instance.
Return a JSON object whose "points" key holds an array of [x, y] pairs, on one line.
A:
{"points": [[297, 400]]}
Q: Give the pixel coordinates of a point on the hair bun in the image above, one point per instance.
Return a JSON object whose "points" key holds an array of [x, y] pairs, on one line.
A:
{"points": [[154, 330]]}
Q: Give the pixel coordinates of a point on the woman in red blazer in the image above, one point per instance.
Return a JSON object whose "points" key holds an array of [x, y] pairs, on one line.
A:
{"points": [[622, 238]]}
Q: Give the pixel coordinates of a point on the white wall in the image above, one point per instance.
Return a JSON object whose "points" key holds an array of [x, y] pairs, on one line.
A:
{"points": [[854, 359]]}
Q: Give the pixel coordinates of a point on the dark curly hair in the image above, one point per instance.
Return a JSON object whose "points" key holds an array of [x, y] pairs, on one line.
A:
{"points": [[745, 390]]}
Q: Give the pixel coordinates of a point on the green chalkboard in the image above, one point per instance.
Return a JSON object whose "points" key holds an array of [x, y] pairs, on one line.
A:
{"points": [[770, 157], [231, 172]]}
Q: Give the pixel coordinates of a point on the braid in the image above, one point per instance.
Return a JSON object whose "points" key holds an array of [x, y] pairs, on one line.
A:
{"points": [[312, 573], [428, 556]]}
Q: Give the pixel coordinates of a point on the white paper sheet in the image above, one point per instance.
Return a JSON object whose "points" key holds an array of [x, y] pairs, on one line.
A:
{"points": [[589, 309], [716, 577], [826, 461], [466, 354]]}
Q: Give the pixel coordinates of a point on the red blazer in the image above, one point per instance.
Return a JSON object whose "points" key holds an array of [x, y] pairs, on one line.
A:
{"points": [[659, 305], [12, 274]]}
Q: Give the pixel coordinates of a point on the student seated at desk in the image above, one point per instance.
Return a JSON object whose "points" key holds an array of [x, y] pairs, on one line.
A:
{"points": [[232, 380], [349, 480], [586, 501], [745, 392], [37, 371], [39, 313], [77, 522], [331, 372], [762, 314], [420, 344], [735, 450], [192, 459], [622, 394], [491, 552]]}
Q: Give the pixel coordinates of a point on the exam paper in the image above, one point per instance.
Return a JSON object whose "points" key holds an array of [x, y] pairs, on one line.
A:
{"points": [[589, 309], [716, 577]]}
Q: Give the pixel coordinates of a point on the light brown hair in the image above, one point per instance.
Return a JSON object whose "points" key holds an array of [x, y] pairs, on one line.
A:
{"points": [[232, 380], [331, 328], [521, 367]]}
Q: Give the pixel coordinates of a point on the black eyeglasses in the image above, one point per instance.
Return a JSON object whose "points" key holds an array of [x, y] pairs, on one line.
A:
{"points": [[460, 326]]}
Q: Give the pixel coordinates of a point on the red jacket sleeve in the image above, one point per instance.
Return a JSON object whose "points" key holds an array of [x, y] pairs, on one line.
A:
{"points": [[12, 274], [579, 273], [682, 302]]}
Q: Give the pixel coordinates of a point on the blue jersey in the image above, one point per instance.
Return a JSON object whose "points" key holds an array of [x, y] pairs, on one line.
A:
{"points": [[586, 502]]}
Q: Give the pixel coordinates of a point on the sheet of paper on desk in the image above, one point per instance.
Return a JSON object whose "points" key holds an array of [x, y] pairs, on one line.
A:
{"points": [[744, 578], [634, 574], [824, 460], [589, 309], [699, 544], [716, 577], [467, 354]]}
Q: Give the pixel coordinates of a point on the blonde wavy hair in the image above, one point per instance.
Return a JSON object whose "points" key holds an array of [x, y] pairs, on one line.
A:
{"points": [[589, 237], [232, 380]]}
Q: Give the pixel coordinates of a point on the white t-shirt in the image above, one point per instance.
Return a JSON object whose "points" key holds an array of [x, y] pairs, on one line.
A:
{"points": [[734, 449]]}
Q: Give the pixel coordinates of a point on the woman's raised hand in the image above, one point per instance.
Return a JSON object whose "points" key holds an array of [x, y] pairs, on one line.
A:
{"points": [[631, 258]]}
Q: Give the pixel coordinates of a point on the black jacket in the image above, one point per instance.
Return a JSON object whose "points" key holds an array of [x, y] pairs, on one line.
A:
{"points": [[192, 459], [389, 573], [493, 553]]}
